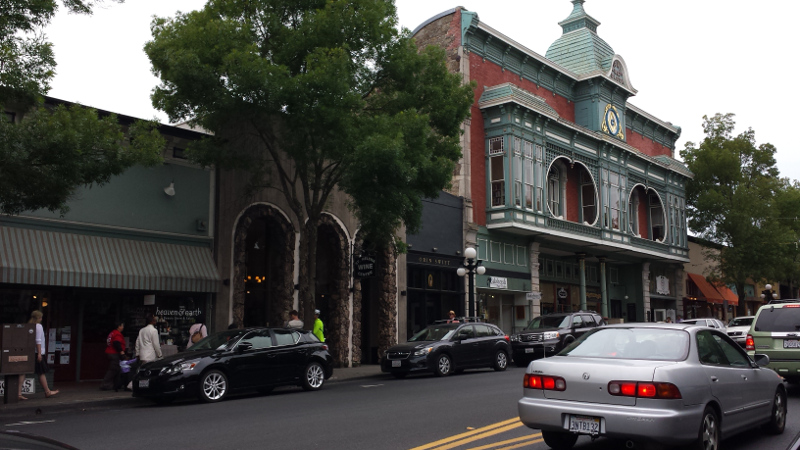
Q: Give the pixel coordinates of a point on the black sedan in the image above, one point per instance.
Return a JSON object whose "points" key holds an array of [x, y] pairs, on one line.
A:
{"points": [[257, 359], [449, 347]]}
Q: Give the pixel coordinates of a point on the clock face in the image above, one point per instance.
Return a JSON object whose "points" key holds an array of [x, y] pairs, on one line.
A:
{"points": [[612, 121]]}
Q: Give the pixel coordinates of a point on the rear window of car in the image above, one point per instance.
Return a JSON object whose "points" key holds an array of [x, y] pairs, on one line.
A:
{"points": [[741, 322], [778, 319], [631, 343]]}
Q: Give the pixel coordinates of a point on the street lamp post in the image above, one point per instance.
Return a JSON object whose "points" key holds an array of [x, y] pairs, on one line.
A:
{"points": [[767, 293], [471, 267]]}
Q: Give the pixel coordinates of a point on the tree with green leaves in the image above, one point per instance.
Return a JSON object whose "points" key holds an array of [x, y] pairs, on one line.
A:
{"points": [[46, 153], [312, 96], [732, 201]]}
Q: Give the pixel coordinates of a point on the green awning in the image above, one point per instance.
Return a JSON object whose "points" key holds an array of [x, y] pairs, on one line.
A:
{"points": [[50, 258]]}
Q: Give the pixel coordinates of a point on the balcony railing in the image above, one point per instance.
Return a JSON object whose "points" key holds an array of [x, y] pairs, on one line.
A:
{"points": [[572, 227], [647, 243]]}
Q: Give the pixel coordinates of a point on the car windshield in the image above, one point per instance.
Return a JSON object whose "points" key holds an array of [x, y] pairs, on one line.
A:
{"points": [[740, 322], [657, 344], [213, 341], [434, 333], [548, 322], [779, 319]]}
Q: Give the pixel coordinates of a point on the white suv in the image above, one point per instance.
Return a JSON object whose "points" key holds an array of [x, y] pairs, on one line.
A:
{"points": [[738, 328]]}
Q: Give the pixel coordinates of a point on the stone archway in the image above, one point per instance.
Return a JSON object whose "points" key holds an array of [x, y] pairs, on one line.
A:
{"points": [[263, 264], [333, 287]]}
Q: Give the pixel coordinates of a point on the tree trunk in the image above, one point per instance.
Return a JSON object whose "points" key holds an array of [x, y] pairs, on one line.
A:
{"points": [[308, 271], [387, 301]]}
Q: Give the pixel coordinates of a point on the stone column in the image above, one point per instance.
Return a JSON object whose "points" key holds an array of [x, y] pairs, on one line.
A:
{"points": [[582, 270], [533, 255], [603, 288], [646, 289]]}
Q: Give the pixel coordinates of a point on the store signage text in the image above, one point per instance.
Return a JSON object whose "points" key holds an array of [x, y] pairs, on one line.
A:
{"points": [[177, 313], [365, 267], [435, 261], [498, 282]]}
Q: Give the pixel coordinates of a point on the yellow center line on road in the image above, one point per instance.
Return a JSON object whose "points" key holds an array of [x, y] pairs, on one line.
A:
{"points": [[482, 435], [532, 437], [470, 433]]}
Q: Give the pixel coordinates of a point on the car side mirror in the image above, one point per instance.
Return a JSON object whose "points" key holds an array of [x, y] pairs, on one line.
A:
{"points": [[244, 346], [761, 360]]}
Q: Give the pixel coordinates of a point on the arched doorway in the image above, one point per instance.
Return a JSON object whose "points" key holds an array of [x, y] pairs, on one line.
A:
{"points": [[333, 288], [263, 267]]}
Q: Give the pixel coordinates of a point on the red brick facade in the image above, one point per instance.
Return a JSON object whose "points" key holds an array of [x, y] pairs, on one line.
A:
{"points": [[645, 145]]}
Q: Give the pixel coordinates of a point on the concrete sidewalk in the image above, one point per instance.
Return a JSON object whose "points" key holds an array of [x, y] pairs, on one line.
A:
{"points": [[85, 395]]}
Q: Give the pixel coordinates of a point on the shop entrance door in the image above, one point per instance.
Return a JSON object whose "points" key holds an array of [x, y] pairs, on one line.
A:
{"points": [[631, 313]]}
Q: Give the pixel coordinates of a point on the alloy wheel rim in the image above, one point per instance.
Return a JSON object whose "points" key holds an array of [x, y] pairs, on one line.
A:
{"points": [[780, 410], [709, 432], [214, 386], [315, 376], [444, 364], [502, 360]]}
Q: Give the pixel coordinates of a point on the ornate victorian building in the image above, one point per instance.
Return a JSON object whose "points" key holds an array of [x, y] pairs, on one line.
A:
{"points": [[572, 195]]}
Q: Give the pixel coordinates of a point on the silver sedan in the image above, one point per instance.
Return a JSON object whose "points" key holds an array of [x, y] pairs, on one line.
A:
{"points": [[671, 384]]}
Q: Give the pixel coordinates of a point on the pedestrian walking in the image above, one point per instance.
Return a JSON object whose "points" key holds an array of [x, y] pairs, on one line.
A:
{"points": [[197, 331], [294, 320], [148, 347], [115, 346], [318, 326], [41, 367]]}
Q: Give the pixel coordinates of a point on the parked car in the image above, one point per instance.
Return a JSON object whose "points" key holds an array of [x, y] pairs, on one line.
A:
{"points": [[445, 348], [775, 331], [673, 384], [707, 322], [547, 335], [738, 327], [257, 359]]}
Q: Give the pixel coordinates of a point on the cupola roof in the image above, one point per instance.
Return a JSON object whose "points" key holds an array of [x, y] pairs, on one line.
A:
{"points": [[579, 48]]}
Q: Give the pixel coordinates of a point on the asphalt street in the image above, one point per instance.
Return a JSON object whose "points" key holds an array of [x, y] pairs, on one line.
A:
{"points": [[474, 410]]}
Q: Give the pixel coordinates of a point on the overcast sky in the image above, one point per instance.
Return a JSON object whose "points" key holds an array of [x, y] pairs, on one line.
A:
{"points": [[686, 58]]}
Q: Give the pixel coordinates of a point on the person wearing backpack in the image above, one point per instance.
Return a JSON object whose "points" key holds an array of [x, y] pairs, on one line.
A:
{"points": [[198, 330]]}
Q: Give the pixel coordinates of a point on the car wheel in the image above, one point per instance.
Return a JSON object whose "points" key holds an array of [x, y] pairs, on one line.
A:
{"points": [[500, 361], [444, 366], [313, 377], [399, 375], [558, 440], [777, 421], [709, 431], [213, 386]]}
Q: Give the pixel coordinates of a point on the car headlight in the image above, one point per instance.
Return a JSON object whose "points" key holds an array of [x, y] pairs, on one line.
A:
{"points": [[550, 335], [514, 338], [423, 351], [180, 368]]}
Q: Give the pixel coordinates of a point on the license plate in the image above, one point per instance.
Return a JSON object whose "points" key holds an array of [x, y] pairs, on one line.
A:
{"points": [[584, 424], [144, 383], [397, 363], [791, 343], [529, 350]]}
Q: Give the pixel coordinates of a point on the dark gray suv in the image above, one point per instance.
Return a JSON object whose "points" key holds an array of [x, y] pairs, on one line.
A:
{"points": [[547, 335]]}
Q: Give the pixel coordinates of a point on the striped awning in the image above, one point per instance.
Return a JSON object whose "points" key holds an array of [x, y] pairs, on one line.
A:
{"points": [[52, 258]]}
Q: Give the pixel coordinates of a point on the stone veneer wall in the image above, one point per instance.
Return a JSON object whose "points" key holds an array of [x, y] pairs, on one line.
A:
{"points": [[337, 326]]}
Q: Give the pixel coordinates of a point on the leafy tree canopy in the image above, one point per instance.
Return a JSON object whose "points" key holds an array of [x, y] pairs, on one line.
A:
{"points": [[45, 154], [332, 85], [734, 201]]}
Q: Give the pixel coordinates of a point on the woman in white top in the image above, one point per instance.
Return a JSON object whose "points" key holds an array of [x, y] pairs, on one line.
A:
{"points": [[199, 326], [41, 362]]}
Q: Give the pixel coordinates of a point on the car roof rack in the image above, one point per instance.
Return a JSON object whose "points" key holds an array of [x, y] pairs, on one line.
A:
{"points": [[788, 300], [460, 320]]}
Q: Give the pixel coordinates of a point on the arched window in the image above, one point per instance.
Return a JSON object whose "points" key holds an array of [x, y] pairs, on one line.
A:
{"points": [[554, 191]]}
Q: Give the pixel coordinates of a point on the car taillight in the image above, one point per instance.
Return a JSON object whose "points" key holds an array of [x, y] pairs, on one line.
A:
{"points": [[325, 346], [749, 343], [791, 306], [644, 389], [544, 382], [507, 338]]}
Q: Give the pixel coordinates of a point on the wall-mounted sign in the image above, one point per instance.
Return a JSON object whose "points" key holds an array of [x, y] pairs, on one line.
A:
{"points": [[662, 285], [433, 261], [562, 293], [365, 267], [498, 282]]}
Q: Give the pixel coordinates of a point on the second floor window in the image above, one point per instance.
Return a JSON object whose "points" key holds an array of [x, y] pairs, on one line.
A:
{"points": [[497, 180], [554, 192]]}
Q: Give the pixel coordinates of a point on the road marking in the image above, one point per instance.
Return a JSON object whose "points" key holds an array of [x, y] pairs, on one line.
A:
{"points": [[529, 440], [26, 422], [370, 385], [465, 438]]}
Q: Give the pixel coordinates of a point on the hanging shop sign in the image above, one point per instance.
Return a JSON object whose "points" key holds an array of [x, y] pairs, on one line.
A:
{"points": [[533, 296], [365, 267], [498, 282]]}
